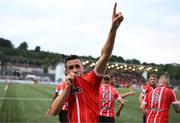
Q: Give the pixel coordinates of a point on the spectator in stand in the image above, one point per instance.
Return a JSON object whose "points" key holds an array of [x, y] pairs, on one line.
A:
{"points": [[157, 102], [83, 90], [149, 86], [107, 97]]}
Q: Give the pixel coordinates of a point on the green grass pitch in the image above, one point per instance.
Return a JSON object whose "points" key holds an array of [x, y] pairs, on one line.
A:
{"points": [[29, 103]]}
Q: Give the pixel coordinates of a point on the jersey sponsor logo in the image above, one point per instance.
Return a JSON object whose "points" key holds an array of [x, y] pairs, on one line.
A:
{"points": [[155, 109], [106, 108], [75, 90]]}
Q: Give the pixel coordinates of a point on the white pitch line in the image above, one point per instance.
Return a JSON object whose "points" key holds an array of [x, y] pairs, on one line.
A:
{"points": [[35, 99], [126, 100], [6, 87]]}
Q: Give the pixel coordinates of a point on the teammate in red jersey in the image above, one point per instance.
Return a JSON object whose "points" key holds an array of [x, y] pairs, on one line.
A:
{"points": [[147, 88], [150, 85], [63, 114], [157, 102], [83, 90], [107, 96]]}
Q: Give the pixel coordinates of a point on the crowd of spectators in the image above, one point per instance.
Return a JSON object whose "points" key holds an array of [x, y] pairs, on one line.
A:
{"points": [[126, 80]]}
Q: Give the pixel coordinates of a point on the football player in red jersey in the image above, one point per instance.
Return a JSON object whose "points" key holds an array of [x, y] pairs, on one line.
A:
{"points": [[107, 97], [83, 89], [149, 86], [156, 103]]}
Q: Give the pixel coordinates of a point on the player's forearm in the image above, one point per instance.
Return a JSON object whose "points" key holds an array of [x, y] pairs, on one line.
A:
{"points": [[176, 106], [105, 54], [120, 107], [143, 108], [126, 94], [109, 44], [58, 103], [55, 95], [140, 99]]}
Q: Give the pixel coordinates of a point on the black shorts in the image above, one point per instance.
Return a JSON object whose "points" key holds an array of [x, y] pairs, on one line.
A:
{"points": [[63, 116], [106, 119], [144, 118]]}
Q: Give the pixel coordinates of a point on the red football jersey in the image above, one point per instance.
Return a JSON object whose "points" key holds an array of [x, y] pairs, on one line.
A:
{"points": [[107, 96], [158, 102], [84, 98], [146, 89], [59, 88]]}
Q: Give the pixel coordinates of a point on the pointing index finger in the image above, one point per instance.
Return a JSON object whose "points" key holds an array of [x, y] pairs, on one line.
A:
{"points": [[114, 10]]}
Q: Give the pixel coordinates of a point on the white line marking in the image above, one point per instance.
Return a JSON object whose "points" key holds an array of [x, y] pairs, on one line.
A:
{"points": [[126, 100], [6, 87], [35, 99]]}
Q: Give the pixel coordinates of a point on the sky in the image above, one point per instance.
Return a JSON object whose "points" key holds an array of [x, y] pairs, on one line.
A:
{"points": [[149, 33]]}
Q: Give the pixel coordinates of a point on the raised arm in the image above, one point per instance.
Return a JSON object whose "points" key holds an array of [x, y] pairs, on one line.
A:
{"points": [[106, 51]]}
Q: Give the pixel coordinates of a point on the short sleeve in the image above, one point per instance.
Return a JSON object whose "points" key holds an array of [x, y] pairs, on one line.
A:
{"points": [[93, 78], [173, 96]]}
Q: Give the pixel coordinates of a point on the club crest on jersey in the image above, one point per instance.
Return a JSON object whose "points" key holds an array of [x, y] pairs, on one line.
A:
{"points": [[75, 90], [156, 98]]}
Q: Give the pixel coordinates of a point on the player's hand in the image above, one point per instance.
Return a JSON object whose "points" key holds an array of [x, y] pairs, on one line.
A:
{"points": [[118, 113], [131, 92], [70, 78], [117, 18]]}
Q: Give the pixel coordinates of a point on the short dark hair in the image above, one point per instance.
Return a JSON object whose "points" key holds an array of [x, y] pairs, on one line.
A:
{"points": [[107, 77], [153, 75], [71, 57]]}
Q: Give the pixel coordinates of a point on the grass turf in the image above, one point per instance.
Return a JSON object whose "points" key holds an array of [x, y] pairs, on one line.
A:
{"points": [[29, 103], [25, 103]]}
